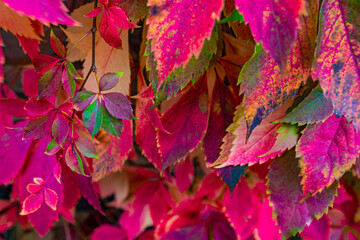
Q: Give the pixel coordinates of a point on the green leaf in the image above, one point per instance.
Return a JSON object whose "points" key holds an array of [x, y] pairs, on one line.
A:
{"points": [[93, 117]]}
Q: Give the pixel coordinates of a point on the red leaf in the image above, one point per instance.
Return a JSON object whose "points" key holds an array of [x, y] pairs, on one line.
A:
{"points": [[32, 203], [50, 81], [95, 12], [44, 63], [2, 61], [51, 198], [38, 107], [60, 129], [56, 45], [181, 37], [184, 174], [46, 11], [13, 107], [109, 31], [39, 127], [30, 80], [186, 122], [327, 149], [337, 65], [273, 23], [29, 45], [119, 17]]}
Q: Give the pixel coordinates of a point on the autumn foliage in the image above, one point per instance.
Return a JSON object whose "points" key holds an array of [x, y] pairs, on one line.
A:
{"points": [[180, 119]]}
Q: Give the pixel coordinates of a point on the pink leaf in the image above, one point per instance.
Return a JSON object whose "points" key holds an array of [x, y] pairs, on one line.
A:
{"points": [[50, 81], [107, 231], [94, 12], [174, 43], [2, 61], [51, 198], [327, 150], [13, 107], [186, 122], [11, 158], [109, 31], [317, 230], [32, 203], [30, 79], [273, 23], [119, 17], [46, 11]]}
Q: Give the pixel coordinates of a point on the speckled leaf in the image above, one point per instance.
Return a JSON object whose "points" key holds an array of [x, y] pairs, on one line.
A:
{"points": [[46, 11], [186, 123], [265, 86], [327, 150], [285, 193], [273, 23], [237, 150], [313, 109], [181, 76], [178, 29], [337, 65]]}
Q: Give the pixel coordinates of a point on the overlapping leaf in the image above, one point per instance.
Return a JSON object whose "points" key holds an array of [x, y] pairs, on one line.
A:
{"points": [[186, 123], [177, 30], [265, 86], [292, 212], [337, 65], [267, 141], [46, 11], [273, 23], [327, 150]]}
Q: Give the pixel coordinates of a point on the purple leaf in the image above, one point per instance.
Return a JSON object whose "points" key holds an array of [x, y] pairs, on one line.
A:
{"points": [[118, 105], [60, 129], [109, 80], [39, 127], [292, 211], [83, 99]]}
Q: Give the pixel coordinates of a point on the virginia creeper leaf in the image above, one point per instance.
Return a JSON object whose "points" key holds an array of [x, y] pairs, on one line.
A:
{"points": [[286, 195], [174, 43], [186, 122], [39, 127], [56, 45], [11, 158], [118, 105], [50, 81], [44, 63], [113, 152], [74, 160], [337, 64], [108, 231], [237, 150], [86, 147], [60, 129], [327, 150], [83, 99], [264, 85], [29, 45], [273, 23], [313, 109], [93, 117], [32, 203], [109, 80], [46, 11], [38, 107], [30, 80], [111, 124]]}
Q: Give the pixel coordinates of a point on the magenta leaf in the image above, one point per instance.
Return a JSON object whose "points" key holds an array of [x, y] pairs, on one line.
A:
{"points": [[119, 17], [50, 81], [174, 43], [83, 99], [60, 129], [93, 117], [74, 160], [46, 11], [51, 198], [95, 12], [11, 158], [184, 174], [273, 23], [56, 45], [109, 80], [337, 55], [39, 127], [30, 80], [186, 122], [86, 147], [38, 107], [327, 149], [292, 211], [32, 203], [118, 105]]}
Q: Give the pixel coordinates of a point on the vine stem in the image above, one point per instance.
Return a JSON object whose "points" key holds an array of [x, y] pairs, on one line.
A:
{"points": [[93, 66]]}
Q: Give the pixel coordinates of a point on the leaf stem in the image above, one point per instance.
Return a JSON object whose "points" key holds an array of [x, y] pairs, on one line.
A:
{"points": [[78, 42]]}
